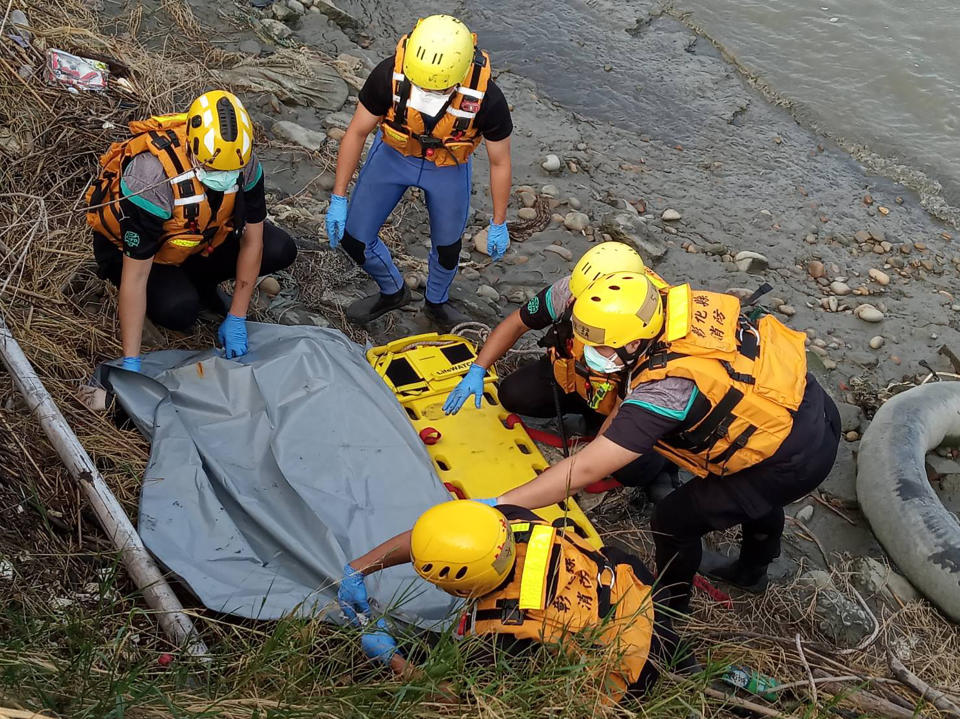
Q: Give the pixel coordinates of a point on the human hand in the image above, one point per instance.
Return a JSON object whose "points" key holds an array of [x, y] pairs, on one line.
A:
{"points": [[471, 384], [233, 336], [498, 240], [336, 219]]}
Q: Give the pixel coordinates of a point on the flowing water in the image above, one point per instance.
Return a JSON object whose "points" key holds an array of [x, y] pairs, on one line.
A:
{"points": [[881, 76]]}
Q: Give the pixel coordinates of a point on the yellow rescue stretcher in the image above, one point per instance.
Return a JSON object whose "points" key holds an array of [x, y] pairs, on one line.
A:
{"points": [[477, 453]]}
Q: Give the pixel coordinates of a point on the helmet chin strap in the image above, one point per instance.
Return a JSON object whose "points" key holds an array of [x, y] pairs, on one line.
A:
{"points": [[630, 359]]}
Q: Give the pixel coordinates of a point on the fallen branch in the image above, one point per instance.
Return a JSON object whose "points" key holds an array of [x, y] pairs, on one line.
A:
{"points": [[868, 702], [926, 692], [950, 355], [806, 665]]}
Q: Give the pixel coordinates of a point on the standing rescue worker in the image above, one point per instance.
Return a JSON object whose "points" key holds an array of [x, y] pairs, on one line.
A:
{"points": [[178, 208], [564, 372], [529, 581], [431, 103], [720, 394]]}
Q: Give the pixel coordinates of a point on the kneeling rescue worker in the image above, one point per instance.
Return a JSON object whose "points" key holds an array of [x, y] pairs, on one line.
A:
{"points": [[720, 394], [564, 376], [432, 104], [178, 208], [527, 580]]}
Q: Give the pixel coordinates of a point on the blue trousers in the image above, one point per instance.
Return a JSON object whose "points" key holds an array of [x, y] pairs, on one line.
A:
{"points": [[383, 179]]}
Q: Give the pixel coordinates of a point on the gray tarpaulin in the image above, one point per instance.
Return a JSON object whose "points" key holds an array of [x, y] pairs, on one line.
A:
{"points": [[267, 473]]}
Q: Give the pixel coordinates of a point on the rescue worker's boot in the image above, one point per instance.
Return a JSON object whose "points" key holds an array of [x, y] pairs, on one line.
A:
{"points": [[444, 315], [371, 307], [748, 577]]}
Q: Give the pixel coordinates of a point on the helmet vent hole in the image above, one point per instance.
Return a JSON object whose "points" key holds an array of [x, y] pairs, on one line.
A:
{"points": [[460, 572], [196, 145], [594, 299], [444, 572], [614, 287], [196, 121], [426, 567], [229, 128], [628, 277]]}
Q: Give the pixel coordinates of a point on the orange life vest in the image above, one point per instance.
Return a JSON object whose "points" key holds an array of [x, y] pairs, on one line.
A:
{"points": [[455, 136], [600, 391], [192, 226], [563, 590], [752, 373]]}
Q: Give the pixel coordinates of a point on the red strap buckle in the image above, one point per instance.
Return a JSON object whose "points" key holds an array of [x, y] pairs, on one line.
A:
{"points": [[430, 436]]}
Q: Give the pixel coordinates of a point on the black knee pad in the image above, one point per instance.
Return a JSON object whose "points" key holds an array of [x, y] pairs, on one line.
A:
{"points": [[449, 255], [355, 248], [278, 254]]}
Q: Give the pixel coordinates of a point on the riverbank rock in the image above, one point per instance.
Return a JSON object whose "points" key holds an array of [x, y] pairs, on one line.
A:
{"points": [[850, 416], [488, 293], [879, 276], [551, 163], [670, 215], [480, 242], [875, 579], [816, 269], [559, 250], [576, 221], [868, 313], [630, 228], [752, 262], [527, 213], [275, 29], [838, 616], [299, 135], [877, 342], [841, 289]]}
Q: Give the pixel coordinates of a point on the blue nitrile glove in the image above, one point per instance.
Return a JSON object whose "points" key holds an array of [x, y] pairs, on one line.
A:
{"points": [[352, 594], [336, 219], [489, 501], [379, 645], [132, 363], [471, 384], [498, 240], [233, 336]]}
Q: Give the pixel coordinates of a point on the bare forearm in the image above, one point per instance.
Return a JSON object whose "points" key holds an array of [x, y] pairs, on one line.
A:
{"points": [[501, 180], [248, 268], [503, 337], [597, 460], [131, 309], [351, 148], [389, 554]]}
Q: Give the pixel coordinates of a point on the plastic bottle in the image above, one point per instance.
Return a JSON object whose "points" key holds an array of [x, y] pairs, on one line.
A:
{"points": [[751, 680]]}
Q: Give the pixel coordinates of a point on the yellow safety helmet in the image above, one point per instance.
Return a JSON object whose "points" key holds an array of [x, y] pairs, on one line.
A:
{"points": [[604, 259], [618, 309], [439, 52], [464, 547], [219, 131]]}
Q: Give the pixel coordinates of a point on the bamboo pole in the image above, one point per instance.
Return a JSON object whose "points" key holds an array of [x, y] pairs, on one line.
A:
{"points": [[140, 565]]}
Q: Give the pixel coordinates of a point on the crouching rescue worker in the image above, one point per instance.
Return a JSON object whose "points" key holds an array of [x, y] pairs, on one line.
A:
{"points": [[529, 581], [565, 375], [178, 208], [720, 394], [431, 104]]}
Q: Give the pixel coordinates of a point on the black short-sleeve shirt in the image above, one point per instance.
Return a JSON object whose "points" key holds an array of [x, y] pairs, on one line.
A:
{"points": [[493, 119]]}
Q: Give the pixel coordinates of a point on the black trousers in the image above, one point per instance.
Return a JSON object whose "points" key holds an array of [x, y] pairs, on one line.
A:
{"points": [[753, 498], [177, 293], [530, 391]]}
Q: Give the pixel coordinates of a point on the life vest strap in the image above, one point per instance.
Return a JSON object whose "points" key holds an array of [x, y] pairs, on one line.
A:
{"points": [[711, 427]]}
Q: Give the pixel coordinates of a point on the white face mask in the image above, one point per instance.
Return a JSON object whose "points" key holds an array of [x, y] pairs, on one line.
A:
{"points": [[599, 363], [429, 102], [218, 180]]}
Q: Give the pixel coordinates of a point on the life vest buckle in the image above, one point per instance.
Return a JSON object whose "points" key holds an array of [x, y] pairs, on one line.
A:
{"points": [[658, 359], [510, 612]]}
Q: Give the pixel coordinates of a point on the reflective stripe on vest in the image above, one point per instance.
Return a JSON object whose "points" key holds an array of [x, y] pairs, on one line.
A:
{"points": [[533, 582]]}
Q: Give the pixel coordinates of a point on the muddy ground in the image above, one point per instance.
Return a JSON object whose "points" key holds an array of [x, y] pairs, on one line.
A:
{"points": [[741, 173]]}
